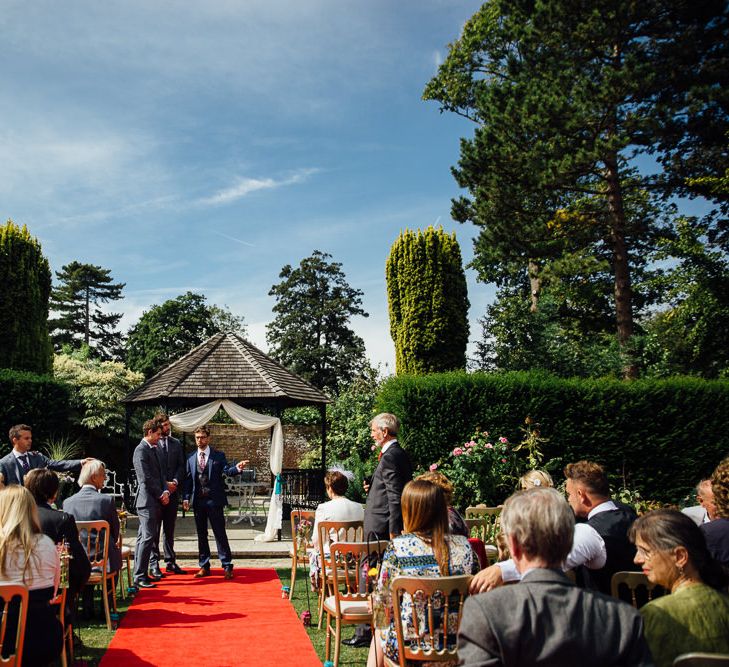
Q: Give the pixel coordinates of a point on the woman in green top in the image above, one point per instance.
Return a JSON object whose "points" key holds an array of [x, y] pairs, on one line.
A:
{"points": [[695, 616]]}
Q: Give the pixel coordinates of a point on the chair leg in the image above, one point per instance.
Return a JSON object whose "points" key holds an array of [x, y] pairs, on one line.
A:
{"points": [[294, 567], [105, 595], [322, 595], [328, 642], [338, 640], [68, 639], [113, 591]]}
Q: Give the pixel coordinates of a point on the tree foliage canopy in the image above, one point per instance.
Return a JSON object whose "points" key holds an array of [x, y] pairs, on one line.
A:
{"points": [[168, 331], [311, 332], [25, 277], [428, 302], [77, 298]]}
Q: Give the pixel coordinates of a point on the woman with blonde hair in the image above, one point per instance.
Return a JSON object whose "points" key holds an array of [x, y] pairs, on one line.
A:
{"points": [[425, 549], [29, 557], [535, 478]]}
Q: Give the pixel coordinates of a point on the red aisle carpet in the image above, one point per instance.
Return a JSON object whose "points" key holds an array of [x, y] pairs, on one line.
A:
{"points": [[211, 622]]}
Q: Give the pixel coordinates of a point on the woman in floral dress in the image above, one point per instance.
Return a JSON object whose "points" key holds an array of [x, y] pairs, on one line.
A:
{"points": [[425, 549]]}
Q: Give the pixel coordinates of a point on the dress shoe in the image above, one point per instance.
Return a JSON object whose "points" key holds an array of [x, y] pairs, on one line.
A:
{"points": [[174, 568], [357, 641], [153, 577], [156, 572], [202, 572], [144, 583], [228, 573]]}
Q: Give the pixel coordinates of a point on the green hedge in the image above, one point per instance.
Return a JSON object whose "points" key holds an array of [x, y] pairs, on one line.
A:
{"points": [[664, 435], [37, 400]]}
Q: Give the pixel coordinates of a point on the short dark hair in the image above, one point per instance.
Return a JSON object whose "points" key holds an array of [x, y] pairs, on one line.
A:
{"points": [[336, 481], [591, 475], [161, 417], [15, 430], [150, 426], [42, 483], [202, 429]]}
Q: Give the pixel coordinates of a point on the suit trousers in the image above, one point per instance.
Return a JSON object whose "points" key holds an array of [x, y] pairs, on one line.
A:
{"points": [[206, 510], [149, 523], [169, 517]]}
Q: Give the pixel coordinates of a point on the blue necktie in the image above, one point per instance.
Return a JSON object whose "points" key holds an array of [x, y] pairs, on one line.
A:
{"points": [[24, 463]]}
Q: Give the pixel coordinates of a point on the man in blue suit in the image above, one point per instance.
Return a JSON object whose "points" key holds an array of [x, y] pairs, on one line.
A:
{"points": [[204, 491]]}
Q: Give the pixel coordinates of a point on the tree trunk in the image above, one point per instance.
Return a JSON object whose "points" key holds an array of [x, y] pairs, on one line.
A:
{"points": [[623, 291], [535, 284]]}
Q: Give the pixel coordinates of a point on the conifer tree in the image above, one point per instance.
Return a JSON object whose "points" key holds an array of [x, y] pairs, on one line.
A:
{"points": [[428, 302], [77, 298], [25, 286]]}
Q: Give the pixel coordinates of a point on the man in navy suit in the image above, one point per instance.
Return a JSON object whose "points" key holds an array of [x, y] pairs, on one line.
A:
{"points": [[20, 461], [204, 491]]}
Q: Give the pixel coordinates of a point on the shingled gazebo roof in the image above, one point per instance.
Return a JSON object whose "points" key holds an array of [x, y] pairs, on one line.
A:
{"points": [[226, 366]]}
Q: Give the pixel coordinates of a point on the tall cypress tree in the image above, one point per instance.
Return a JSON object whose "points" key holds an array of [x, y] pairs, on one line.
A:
{"points": [[82, 288], [428, 300], [25, 280]]}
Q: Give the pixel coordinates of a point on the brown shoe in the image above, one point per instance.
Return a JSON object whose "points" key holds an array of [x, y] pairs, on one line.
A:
{"points": [[202, 572], [228, 573]]}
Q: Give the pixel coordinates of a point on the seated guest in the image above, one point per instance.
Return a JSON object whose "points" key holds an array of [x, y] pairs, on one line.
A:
{"points": [[90, 505], [337, 508], [545, 619], [60, 527], [695, 616], [456, 523], [706, 509], [424, 549], [28, 557], [588, 548], [716, 531]]}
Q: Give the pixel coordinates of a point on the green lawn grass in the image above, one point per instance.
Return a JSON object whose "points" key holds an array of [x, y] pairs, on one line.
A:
{"points": [[349, 657]]}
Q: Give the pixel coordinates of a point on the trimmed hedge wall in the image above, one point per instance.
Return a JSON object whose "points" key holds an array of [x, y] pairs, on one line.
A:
{"points": [[665, 435], [36, 400]]}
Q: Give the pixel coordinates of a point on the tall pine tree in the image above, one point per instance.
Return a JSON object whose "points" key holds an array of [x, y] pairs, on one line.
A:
{"points": [[77, 298], [25, 286], [428, 300]]}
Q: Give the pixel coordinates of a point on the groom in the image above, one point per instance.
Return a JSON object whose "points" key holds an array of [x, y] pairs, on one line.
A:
{"points": [[204, 491]]}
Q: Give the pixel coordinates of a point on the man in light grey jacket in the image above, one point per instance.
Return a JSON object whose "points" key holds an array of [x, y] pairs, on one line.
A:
{"points": [[545, 619]]}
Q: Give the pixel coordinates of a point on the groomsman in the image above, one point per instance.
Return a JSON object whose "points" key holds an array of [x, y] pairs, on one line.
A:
{"points": [[172, 461]]}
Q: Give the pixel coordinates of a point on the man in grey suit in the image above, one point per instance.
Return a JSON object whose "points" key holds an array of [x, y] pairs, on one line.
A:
{"points": [[172, 460], [545, 619], [91, 505], [152, 495], [21, 460]]}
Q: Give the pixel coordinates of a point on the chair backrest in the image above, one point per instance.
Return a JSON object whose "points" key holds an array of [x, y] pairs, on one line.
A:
{"points": [[702, 660], [12, 626], [484, 523], [347, 566], [338, 531], [635, 582], [434, 607], [94, 535], [301, 538]]}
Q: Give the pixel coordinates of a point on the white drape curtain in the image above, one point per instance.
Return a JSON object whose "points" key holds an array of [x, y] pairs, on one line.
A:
{"points": [[192, 419]]}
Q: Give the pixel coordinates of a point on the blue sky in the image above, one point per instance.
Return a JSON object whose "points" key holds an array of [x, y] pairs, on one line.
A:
{"points": [[202, 146]]}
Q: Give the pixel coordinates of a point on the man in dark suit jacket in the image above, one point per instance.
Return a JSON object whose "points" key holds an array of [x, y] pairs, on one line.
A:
{"points": [[172, 461], [90, 505], [383, 515], [545, 619], [20, 461], [152, 495], [204, 491], [60, 527]]}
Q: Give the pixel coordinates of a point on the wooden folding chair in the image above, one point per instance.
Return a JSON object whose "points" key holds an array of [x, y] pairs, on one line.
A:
{"points": [[635, 582], [60, 602], [436, 608], [345, 603], [298, 550], [14, 600], [330, 532], [702, 660], [94, 535]]}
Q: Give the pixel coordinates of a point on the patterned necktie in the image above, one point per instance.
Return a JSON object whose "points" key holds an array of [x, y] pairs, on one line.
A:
{"points": [[202, 462], [164, 444], [24, 463]]}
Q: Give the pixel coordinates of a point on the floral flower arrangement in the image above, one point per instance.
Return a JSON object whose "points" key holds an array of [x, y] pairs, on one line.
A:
{"points": [[303, 536]]}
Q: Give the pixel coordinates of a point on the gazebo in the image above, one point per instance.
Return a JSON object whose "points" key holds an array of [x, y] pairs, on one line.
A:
{"points": [[226, 368]]}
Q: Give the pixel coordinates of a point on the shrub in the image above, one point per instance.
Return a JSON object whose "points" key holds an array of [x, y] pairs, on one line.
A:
{"points": [[660, 436]]}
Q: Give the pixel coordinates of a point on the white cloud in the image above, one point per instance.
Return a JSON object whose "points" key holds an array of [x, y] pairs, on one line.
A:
{"points": [[245, 186]]}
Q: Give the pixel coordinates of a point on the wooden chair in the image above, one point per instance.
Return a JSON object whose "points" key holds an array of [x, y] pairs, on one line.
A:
{"points": [[635, 582], [298, 551], [95, 536], [484, 523], [345, 603], [702, 660], [8, 593], [345, 531], [435, 618], [60, 602], [127, 554]]}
